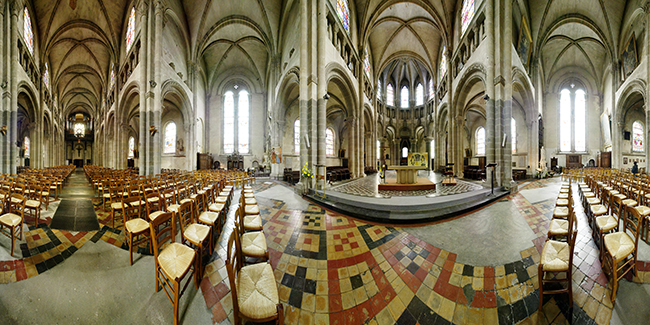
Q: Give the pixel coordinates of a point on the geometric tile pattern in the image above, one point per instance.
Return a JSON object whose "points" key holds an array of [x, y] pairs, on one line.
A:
{"points": [[367, 186]]}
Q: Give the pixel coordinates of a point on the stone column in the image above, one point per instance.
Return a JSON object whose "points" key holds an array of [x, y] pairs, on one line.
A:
{"points": [[13, 88], [322, 91], [489, 88], [156, 56], [143, 146], [506, 117], [304, 75]]}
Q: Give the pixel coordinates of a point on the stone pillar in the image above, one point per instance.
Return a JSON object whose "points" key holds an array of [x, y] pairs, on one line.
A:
{"points": [[13, 88], [304, 75], [156, 56], [506, 117], [489, 88], [322, 92], [141, 10]]}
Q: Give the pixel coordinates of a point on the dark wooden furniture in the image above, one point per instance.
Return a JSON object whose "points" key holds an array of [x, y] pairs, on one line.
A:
{"points": [[605, 159], [573, 161], [518, 174], [236, 161], [203, 161], [337, 173], [473, 172]]}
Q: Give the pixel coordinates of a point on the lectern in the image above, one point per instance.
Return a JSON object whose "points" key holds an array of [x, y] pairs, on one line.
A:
{"points": [[492, 183]]}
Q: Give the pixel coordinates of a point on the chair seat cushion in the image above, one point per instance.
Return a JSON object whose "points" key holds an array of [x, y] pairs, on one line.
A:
{"points": [[224, 193], [629, 202], [257, 292], [209, 217], [643, 210], [136, 226], [248, 191], [137, 203], [598, 209], [253, 222], [106, 196], [250, 201], [593, 201], [221, 199], [606, 223], [564, 190], [168, 195], [555, 256], [116, 206], [562, 202], [620, 197], [196, 233], [155, 214], [563, 196], [589, 195], [561, 212], [200, 192], [216, 207], [253, 244], [15, 200], [252, 209], [558, 227], [33, 204], [619, 245], [249, 195], [194, 196], [153, 199], [186, 200], [613, 192], [174, 207], [10, 219], [175, 260]]}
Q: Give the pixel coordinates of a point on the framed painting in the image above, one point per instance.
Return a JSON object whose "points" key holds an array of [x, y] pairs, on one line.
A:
{"points": [[629, 59], [524, 43]]}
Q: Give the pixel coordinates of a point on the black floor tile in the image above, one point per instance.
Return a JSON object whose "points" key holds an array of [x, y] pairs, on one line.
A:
{"points": [[356, 281], [406, 319], [310, 286], [299, 284], [301, 272], [413, 268], [416, 307], [295, 298]]}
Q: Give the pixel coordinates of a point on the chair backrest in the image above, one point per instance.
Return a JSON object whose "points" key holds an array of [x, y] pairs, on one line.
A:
{"points": [[631, 222], [130, 211], [19, 207], [155, 206], [233, 265], [239, 218], [163, 232], [185, 215]]}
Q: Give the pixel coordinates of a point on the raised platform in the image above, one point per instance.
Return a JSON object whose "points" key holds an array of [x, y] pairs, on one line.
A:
{"points": [[392, 185], [406, 209]]}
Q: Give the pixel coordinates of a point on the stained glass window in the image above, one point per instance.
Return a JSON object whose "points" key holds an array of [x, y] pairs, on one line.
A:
{"points": [[480, 141], [242, 117], [229, 123], [112, 75], [513, 131], [565, 120], [404, 97], [296, 136], [466, 15], [131, 147], [637, 136], [28, 33], [329, 142], [343, 12], [405, 152], [170, 138], [27, 147], [130, 30], [390, 96], [419, 95], [430, 88], [46, 76], [443, 62], [366, 63], [580, 121]]}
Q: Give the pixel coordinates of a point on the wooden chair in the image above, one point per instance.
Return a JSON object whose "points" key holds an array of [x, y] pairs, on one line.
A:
{"points": [[136, 229], [253, 287], [251, 222], [621, 246], [193, 233], [13, 218], [173, 261], [155, 205], [557, 258], [34, 203], [253, 243]]}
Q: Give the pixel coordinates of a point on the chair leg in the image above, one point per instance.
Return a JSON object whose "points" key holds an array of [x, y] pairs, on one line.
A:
{"points": [[176, 301], [615, 279], [130, 248], [13, 240], [540, 277]]}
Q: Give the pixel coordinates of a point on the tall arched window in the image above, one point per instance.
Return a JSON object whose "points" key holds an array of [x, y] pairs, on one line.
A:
{"points": [[112, 76], [343, 11], [378, 88], [27, 147], [390, 96], [405, 152], [170, 138], [130, 30], [433, 148], [329, 142], [480, 141], [229, 122], [242, 117], [404, 97], [46, 76], [419, 95], [131, 147], [296, 136], [443, 62], [366, 62], [467, 14], [28, 33], [573, 118], [430, 88], [513, 133], [637, 136]]}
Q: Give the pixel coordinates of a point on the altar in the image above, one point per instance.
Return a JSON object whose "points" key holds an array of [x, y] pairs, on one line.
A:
{"points": [[407, 180], [407, 174]]}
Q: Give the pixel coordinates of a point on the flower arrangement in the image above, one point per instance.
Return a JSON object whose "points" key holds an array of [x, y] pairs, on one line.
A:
{"points": [[307, 172]]}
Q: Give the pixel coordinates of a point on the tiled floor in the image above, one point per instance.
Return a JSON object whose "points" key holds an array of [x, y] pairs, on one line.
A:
{"points": [[334, 269], [367, 186]]}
